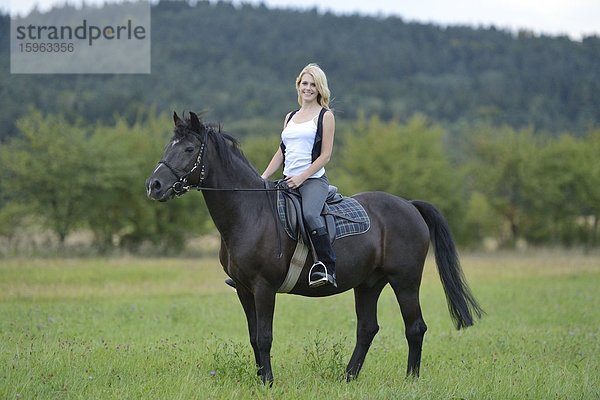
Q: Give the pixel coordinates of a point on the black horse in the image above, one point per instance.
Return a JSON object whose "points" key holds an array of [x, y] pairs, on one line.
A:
{"points": [[256, 254]]}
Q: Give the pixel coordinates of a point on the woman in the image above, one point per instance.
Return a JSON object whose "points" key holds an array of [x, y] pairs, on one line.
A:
{"points": [[304, 152]]}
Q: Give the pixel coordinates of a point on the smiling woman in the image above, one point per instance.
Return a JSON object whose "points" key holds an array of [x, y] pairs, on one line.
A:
{"points": [[305, 149]]}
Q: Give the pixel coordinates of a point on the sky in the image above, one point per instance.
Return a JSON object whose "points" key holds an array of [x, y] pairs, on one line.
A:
{"points": [[575, 18]]}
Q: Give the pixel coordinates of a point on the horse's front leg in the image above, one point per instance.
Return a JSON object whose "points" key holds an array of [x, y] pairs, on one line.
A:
{"points": [[247, 299], [264, 303]]}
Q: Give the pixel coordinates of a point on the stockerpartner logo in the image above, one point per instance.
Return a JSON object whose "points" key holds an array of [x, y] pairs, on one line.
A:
{"points": [[112, 39]]}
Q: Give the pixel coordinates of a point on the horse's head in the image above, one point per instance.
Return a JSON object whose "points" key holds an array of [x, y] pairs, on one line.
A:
{"points": [[181, 166]]}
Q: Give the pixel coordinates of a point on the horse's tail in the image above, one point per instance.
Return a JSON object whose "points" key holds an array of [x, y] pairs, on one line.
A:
{"points": [[461, 302]]}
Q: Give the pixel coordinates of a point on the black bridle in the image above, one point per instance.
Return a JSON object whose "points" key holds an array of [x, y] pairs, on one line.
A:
{"points": [[181, 186]]}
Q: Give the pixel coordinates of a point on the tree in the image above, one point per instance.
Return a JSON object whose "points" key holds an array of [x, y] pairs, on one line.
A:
{"points": [[68, 176], [481, 221], [260, 150], [12, 219], [500, 169], [119, 212], [553, 201], [47, 168], [588, 184]]}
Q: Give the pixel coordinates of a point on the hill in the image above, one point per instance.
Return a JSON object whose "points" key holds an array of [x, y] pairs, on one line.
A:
{"points": [[239, 62]]}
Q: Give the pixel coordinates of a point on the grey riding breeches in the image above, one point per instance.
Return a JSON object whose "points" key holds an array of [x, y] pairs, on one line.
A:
{"points": [[314, 193]]}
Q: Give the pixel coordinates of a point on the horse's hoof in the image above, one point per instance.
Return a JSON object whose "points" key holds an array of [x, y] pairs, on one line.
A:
{"points": [[351, 377], [231, 283]]}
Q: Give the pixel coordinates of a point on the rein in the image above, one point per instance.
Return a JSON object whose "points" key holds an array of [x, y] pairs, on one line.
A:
{"points": [[203, 188], [181, 186]]}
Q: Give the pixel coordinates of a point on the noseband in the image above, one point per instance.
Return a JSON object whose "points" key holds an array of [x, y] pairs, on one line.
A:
{"points": [[181, 186]]}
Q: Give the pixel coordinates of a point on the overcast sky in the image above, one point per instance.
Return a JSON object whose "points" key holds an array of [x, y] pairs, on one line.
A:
{"points": [[575, 18]]}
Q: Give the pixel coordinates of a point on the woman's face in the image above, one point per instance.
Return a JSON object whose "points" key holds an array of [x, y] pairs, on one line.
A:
{"points": [[307, 88]]}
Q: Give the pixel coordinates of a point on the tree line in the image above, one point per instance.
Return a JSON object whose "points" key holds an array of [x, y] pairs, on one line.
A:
{"points": [[499, 184]]}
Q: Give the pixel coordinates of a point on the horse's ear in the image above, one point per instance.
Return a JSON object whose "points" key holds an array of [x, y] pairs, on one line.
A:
{"points": [[195, 122], [176, 118]]}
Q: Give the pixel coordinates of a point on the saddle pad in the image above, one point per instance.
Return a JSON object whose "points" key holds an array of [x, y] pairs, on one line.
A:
{"points": [[349, 215]]}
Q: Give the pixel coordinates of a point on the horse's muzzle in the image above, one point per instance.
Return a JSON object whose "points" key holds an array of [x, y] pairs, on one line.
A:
{"points": [[155, 190]]}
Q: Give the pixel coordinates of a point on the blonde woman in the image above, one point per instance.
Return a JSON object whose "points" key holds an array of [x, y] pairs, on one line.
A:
{"points": [[306, 147]]}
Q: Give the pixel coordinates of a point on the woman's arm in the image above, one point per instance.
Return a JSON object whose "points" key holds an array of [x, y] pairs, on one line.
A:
{"points": [[274, 165], [277, 159]]}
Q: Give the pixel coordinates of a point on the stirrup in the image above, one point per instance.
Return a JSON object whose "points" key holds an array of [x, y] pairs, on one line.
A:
{"points": [[326, 278]]}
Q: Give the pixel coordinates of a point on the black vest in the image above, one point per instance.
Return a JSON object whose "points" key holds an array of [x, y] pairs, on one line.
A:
{"points": [[316, 150]]}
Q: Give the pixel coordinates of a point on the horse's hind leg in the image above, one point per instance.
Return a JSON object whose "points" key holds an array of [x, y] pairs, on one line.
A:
{"points": [[408, 298], [365, 299]]}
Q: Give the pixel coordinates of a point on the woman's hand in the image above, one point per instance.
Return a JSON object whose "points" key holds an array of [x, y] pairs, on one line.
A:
{"points": [[294, 182]]}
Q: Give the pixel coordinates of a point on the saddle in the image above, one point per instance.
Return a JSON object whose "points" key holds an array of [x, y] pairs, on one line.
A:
{"points": [[342, 216]]}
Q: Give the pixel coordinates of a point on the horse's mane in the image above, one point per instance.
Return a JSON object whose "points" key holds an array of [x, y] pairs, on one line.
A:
{"points": [[226, 146]]}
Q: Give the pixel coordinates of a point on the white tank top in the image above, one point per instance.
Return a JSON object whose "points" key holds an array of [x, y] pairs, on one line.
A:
{"points": [[299, 139]]}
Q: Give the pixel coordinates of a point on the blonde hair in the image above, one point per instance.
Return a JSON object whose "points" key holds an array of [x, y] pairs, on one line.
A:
{"points": [[320, 82]]}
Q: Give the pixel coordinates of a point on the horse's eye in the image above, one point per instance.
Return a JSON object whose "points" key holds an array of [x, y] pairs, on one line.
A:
{"points": [[189, 149]]}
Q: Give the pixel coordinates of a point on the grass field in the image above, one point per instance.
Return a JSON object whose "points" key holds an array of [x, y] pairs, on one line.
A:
{"points": [[132, 328]]}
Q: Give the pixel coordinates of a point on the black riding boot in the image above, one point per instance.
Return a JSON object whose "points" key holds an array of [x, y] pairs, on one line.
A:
{"points": [[323, 270]]}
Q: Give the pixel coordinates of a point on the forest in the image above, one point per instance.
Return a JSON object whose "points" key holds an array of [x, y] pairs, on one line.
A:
{"points": [[498, 129]]}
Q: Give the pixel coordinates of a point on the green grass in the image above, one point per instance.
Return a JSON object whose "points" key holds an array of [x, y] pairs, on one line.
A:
{"points": [[170, 329]]}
